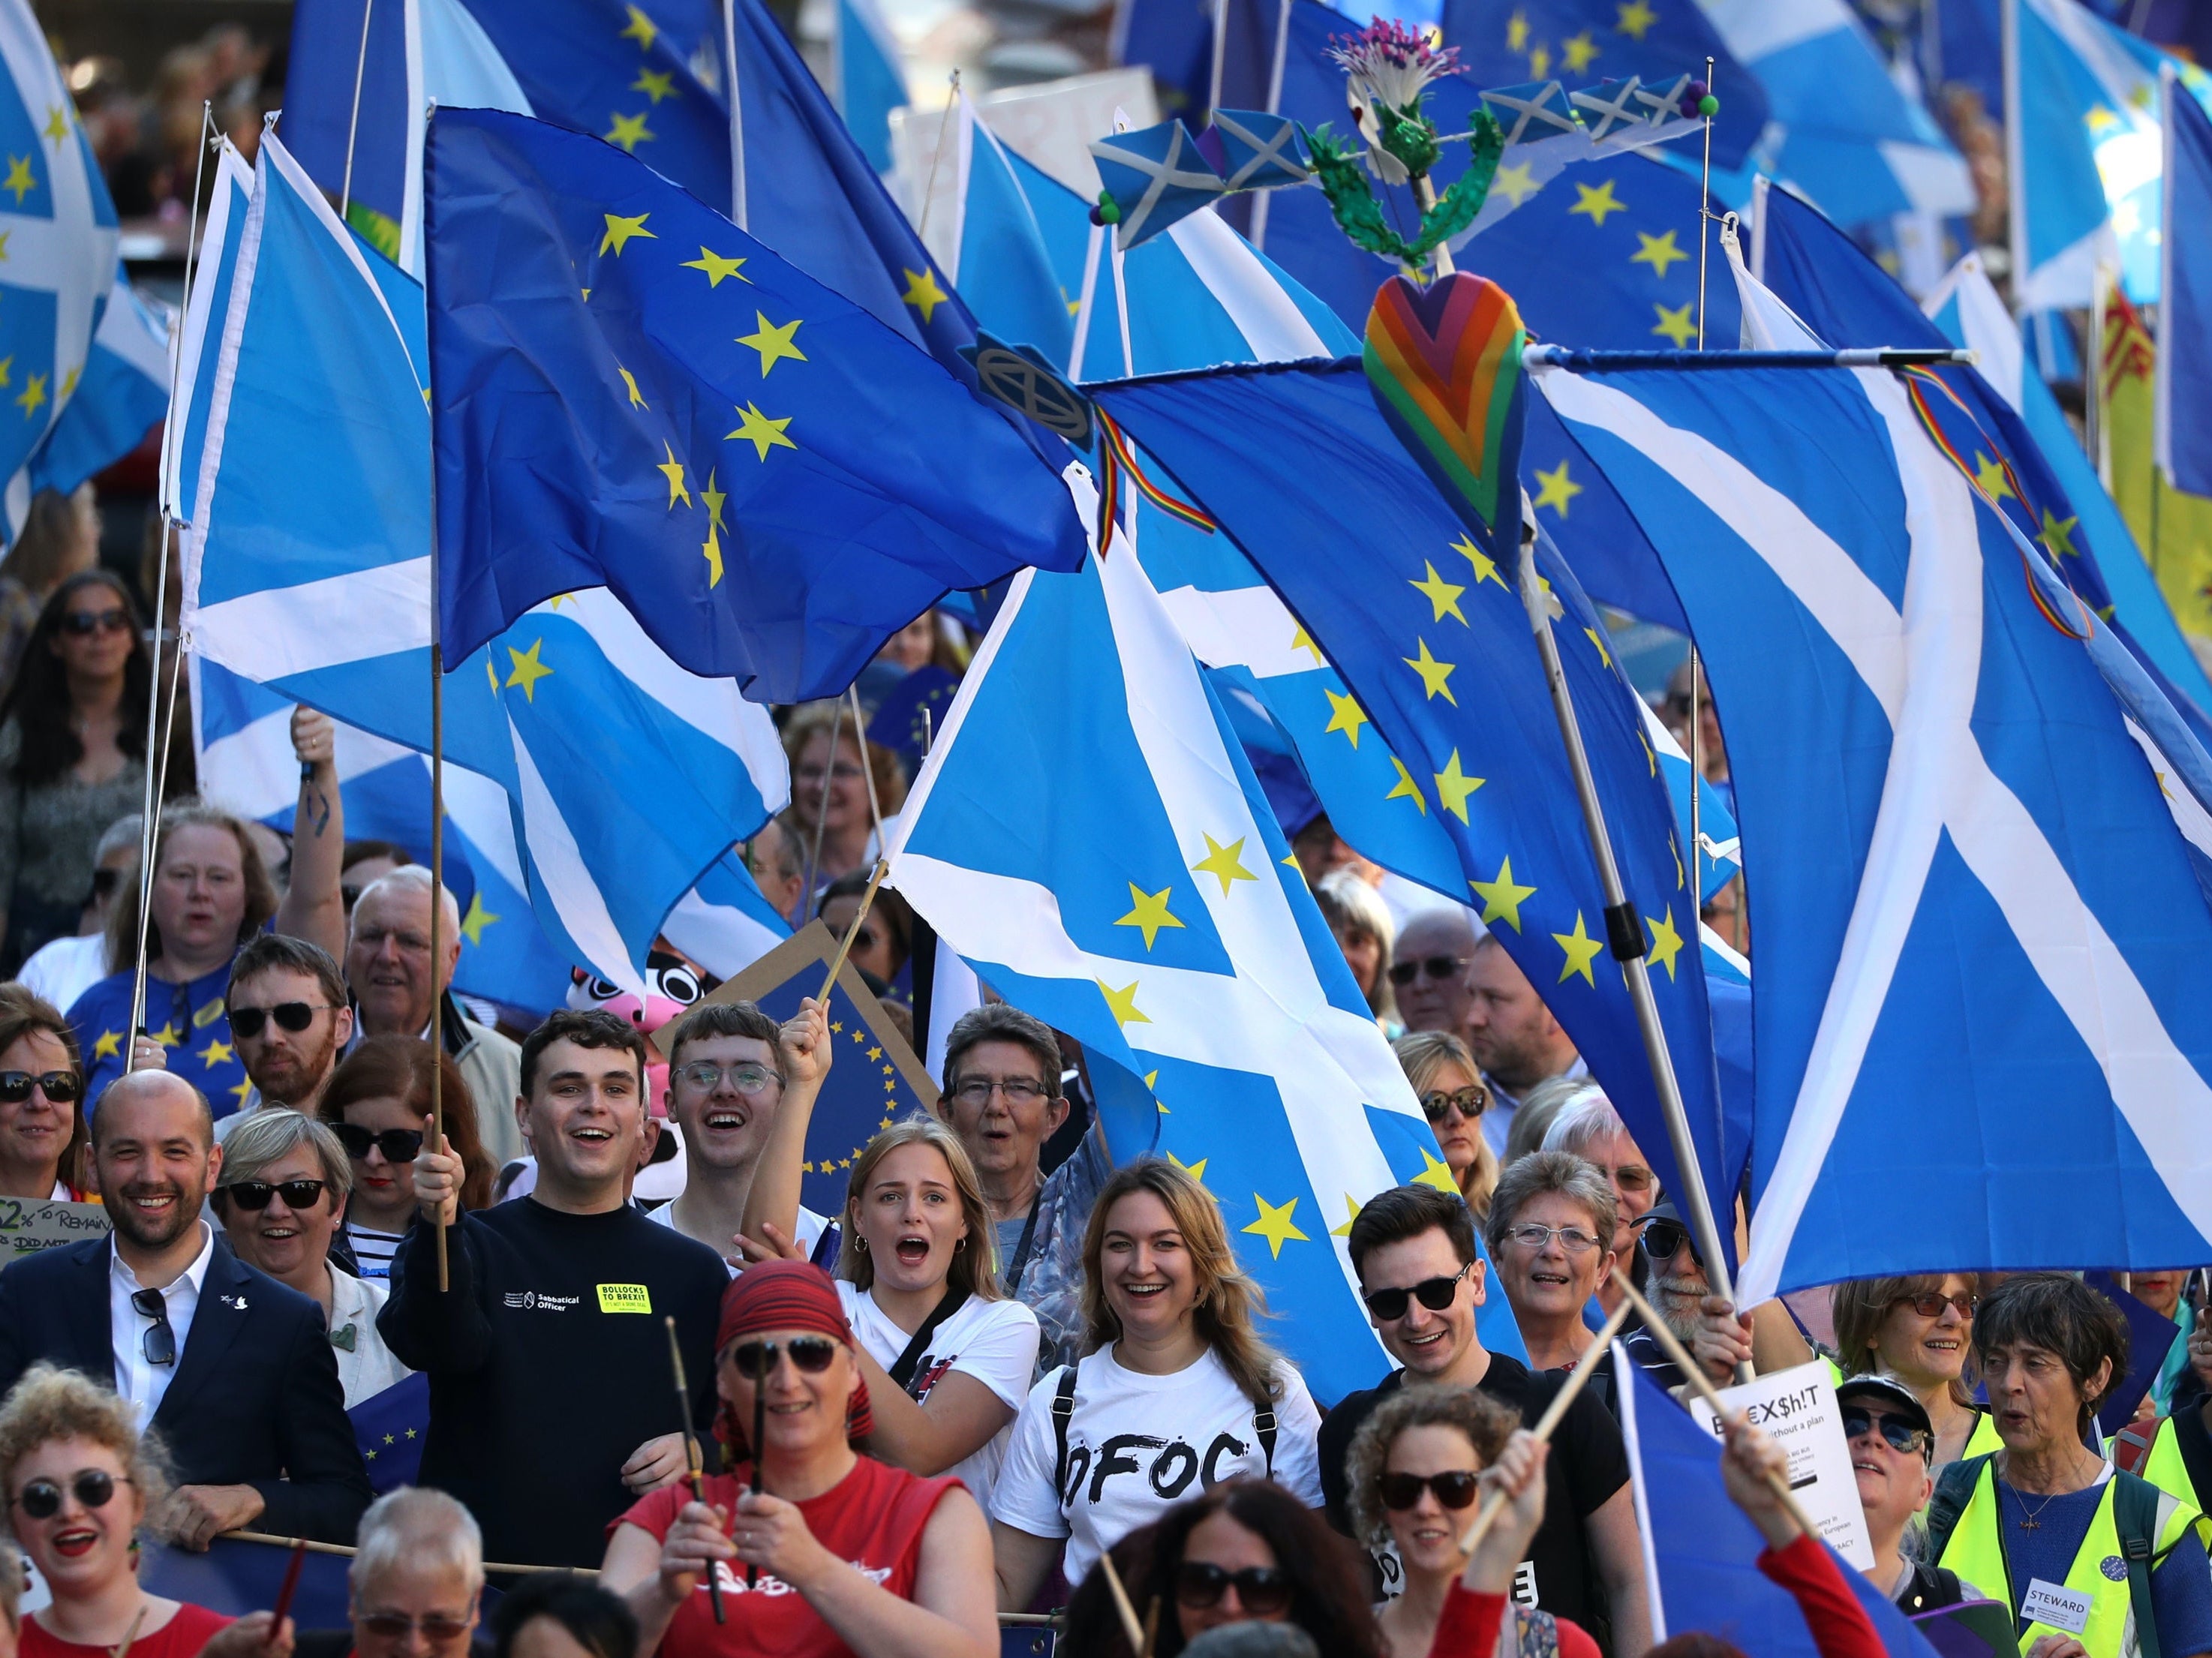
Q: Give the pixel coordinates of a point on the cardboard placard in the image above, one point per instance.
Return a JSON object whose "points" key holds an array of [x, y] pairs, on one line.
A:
{"points": [[29, 1225], [1797, 1407]]}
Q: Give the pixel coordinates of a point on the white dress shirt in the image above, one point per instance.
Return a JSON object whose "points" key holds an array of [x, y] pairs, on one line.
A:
{"points": [[139, 1382]]}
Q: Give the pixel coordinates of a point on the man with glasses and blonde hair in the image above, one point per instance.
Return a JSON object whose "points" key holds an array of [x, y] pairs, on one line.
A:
{"points": [[418, 1572]]}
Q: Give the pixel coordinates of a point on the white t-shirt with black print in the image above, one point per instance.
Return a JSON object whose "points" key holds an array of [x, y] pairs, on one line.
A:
{"points": [[1137, 1444], [994, 1341]]}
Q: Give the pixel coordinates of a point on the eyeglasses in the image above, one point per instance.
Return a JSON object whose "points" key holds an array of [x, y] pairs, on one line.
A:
{"points": [[396, 1627], [1928, 1304], [410, 944], [1454, 1488], [1018, 1090], [1437, 967], [748, 1077], [1896, 1432], [845, 771], [158, 1342], [810, 1354], [397, 1144], [254, 1194], [85, 623], [295, 1016], [94, 1488], [1262, 1589], [1471, 1103], [62, 1087], [1572, 1239], [1662, 1239], [1434, 1293]]}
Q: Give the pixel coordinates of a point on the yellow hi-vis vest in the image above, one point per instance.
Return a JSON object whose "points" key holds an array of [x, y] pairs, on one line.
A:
{"points": [[1984, 1438], [2102, 1569]]}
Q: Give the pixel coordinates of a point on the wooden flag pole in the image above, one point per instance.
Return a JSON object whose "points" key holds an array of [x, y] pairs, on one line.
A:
{"points": [[693, 1475], [845, 944]]}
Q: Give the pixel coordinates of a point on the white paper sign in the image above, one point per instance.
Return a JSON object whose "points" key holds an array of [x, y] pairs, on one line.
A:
{"points": [[1797, 1407], [2047, 1602]]}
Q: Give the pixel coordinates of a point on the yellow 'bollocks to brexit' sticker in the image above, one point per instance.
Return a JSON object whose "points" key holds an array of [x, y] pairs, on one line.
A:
{"points": [[624, 1298]]}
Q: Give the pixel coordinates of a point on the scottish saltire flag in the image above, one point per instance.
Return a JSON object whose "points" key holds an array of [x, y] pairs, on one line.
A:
{"points": [[200, 331], [1173, 936], [1701, 1552], [630, 391], [123, 394], [866, 80], [995, 244], [1507, 42], [1430, 638], [627, 776], [2184, 385], [1989, 932], [724, 923]]}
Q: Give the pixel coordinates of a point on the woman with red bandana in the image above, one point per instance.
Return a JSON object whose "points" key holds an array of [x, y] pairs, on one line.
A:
{"points": [[845, 1555]]}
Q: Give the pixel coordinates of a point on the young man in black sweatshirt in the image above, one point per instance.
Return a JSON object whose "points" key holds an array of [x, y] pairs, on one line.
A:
{"points": [[550, 1405]]}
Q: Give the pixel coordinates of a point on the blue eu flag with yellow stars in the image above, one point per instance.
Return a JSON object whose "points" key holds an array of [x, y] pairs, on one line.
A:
{"points": [[1431, 639], [629, 392]]}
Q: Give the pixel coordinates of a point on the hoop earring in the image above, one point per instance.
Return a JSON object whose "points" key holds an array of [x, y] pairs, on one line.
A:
{"points": [[960, 1245], [860, 1242]]}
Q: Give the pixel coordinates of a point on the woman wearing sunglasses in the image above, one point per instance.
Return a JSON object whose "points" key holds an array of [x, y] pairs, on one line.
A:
{"points": [[79, 1483], [1919, 1329], [72, 756], [42, 1135], [837, 1553], [1453, 1098], [375, 1104], [1416, 1467], [283, 1195]]}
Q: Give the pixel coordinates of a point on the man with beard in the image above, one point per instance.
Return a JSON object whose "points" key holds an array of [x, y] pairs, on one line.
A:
{"points": [[1718, 1337], [289, 1016], [1512, 1036], [229, 1367]]}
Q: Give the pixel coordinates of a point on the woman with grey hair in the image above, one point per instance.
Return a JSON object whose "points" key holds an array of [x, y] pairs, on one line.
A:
{"points": [[418, 1568], [285, 1178], [1551, 1232], [1361, 922], [1588, 1126]]}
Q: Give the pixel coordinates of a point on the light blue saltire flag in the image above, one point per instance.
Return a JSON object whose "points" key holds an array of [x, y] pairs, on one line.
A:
{"points": [[1173, 936], [1847, 299], [2082, 152], [1983, 924], [628, 781], [1701, 1552], [200, 331], [123, 394], [1432, 640], [866, 80], [2184, 385], [630, 391], [995, 244]]}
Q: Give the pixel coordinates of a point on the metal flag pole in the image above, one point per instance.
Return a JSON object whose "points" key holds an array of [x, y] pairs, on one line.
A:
{"points": [[1697, 669], [437, 829], [353, 122], [813, 868], [1274, 107], [1623, 929], [936, 158]]}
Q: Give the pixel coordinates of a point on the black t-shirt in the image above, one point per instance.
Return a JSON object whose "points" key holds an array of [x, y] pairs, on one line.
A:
{"points": [[1587, 1465]]}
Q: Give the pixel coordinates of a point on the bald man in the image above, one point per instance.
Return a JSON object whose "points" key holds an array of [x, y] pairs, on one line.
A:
{"points": [[231, 1368]]}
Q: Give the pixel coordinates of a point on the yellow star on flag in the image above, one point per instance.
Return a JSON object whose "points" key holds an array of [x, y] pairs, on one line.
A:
{"points": [[1434, 1172], [1276, 1225], [168, 1036], [711, 550], [636, 398], [922, 293], [1657, 252], [1501, 899], [58, 124], [1604, 656], [1485, 568], [1666, 942], [34, 394], [1989, 473], [640, 29], [1435, 676], [1454, 785], [716, 267], [477, 918], [629, 131], [672, 470], [1555, 490], [1302, 641], [109, 1045], [1351, 1214], [242, 1089], [655, 84], [1582, 949], [620, 230], [1223, 863], [761, 432], [1577, 51], [1407, 787], [1514, 183], [1675, 323], [774, 343], [1148, 910], [19, 180], [1442, 597], [528, 670], [218, 1052], [1517, 32], [2057, 536], [1633, 19], [1596, 201], [1540, 60], [68, 382], [1195, 1170], [1123, 1003], [1346, 715]]}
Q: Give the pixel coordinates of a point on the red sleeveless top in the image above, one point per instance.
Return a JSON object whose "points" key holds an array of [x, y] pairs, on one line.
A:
{"points": [[873, 1518]]}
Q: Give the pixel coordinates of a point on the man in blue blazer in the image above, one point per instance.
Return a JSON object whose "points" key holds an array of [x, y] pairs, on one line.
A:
{"points": [[231, 1369]]}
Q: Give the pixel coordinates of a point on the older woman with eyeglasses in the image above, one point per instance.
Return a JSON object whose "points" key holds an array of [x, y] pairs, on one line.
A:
{"points": [[1453, 1098], [80, 1482], [840, 1553], [1551, 1231], [1920, 1329]]}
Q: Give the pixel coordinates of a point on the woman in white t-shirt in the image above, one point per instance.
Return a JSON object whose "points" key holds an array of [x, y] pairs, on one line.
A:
{"points": [[1176, 1395]]}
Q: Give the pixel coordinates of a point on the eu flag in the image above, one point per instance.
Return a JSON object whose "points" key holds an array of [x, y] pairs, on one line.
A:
{"points": [[629, 392]]}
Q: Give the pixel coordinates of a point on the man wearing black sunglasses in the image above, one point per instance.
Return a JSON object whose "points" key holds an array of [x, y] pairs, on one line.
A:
{"points": [[231, 1368], [1422, 1278], [289, 1019]]}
